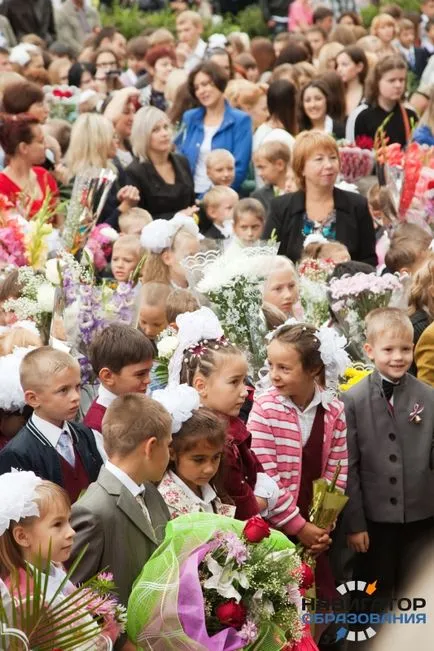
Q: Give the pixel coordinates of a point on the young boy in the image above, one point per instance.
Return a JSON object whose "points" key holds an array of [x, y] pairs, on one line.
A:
{"points": [[272, 160], [249, 221], [127, 253], [133, 221], [219, 204], [189, 28], [50, 444], [416, 57], [178, 302], [390, 424], [152, 316], [220, 167], [323, 17], [121, 357], [409, 249], [137, 49], [122, 517]]}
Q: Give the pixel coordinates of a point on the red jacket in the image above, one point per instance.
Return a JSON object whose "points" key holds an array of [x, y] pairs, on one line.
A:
{"points": [[240, 469]]}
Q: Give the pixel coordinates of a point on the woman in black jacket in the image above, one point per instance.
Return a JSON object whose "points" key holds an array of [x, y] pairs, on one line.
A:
{"points": [[319, 207], [163, 178]]}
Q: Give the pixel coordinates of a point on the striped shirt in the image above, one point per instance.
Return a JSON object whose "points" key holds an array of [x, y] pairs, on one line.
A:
{"points": [[277, 442]]}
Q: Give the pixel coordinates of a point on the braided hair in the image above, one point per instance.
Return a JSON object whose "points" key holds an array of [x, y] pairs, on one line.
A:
{"points": [[203, 358]]}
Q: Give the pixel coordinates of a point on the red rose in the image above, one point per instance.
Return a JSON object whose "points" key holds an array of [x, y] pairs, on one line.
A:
{"points": [[364, 142], [67, 94], [232, 614], [307, 577], [57, 92], [256, 529]]}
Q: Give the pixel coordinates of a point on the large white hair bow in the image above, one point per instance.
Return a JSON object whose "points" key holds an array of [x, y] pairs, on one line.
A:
{"points": [[158, 235], [180, 402], [333, 354], [18, 493], [193, 327], [11, 392]]}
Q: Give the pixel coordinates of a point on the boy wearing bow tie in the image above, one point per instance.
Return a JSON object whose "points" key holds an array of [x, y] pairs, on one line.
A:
{"points": [[390, 433]]}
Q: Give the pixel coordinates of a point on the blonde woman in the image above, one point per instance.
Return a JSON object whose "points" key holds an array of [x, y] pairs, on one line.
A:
{"points": [[384, 27], [162, 177], [327, 56], [93, 145], [249, 97]]}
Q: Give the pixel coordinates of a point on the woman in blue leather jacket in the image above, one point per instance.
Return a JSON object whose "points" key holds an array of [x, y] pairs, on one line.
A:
{"points": [[214, 125]]}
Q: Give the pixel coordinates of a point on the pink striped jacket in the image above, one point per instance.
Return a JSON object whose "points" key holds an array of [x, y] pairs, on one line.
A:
{"points": [[277, 442]]}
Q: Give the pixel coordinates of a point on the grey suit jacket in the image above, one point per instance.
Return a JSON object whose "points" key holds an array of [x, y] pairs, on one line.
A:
{"points": [[391, 457], [111, 522]]}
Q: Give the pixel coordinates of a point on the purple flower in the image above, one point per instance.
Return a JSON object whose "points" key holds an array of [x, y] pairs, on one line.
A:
{"points": [[294, 595], [249, 631], [235, 547]]}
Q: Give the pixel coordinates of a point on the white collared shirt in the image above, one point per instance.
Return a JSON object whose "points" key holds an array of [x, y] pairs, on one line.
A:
{"points": [[307, 416], [208, 493], [196, 56], [125, 479], [226, 229], [51, 432], [105, 397]]}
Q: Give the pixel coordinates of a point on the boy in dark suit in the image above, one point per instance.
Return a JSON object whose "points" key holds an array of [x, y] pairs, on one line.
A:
{"points": [[121, 357], [122, 516], [50, 444], [272, 160], [416, 57], [390, 433], [219, 203]]}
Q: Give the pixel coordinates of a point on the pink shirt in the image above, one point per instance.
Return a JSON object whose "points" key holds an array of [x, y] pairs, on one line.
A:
{"points": [[300, 13]]}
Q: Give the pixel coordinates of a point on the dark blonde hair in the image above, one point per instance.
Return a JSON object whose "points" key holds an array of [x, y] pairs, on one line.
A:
{"points": [[11, 555], [388, 63], [206, 360], [130, 420], [250, 205], [178, 302], [303, 337], [421, 290]]}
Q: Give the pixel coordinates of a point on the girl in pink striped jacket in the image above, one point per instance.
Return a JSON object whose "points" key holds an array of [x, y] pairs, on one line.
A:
{"points": [[298, 429]]}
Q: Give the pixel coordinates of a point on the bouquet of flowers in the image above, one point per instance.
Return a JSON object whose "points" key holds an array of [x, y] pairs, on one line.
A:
{"points": [[415, 202], [219, 584], [83, 308], [353, 297], [63, 102], [313, 275], [352, 375], [233, 284], [100, 244], [356, 162], [166, 346], [89, 195], [36, 300]]}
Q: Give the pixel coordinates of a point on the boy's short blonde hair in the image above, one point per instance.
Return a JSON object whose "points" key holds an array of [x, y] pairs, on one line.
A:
{"points": [[130, 242], [216, 155], [405, 24], [273, 151], [130, 420], [154, 293], [133, 216], [179, 302], [219, 192], [387, 321], [189, 16], [38, 367], [161, 36], [249, 205]]}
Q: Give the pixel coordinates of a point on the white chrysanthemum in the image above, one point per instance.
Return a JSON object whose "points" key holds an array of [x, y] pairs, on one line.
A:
{"points": [[167, 346]]}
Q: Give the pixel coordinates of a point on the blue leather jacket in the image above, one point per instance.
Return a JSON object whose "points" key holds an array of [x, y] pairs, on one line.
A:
{"points": [[234, 134]]}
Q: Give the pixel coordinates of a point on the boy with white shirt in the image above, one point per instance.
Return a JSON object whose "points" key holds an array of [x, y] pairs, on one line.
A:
{"points": [[122, 516], [121, 356], [55, 448], [189, 28], [219, 204]]}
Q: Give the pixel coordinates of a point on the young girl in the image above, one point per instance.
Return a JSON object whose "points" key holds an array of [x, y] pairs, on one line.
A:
{"points": [[299, 431], [322, 249], [191, 482], [281, 286], [384, 100], [384, 27], [315, 108], [168, 243], [126, 255], [206, 360]]}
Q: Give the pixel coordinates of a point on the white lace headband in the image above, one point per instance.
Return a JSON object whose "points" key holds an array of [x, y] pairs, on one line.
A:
{"points": [[158, 235], [18, 494], [193, 327], [332, 351], [180, 402]]}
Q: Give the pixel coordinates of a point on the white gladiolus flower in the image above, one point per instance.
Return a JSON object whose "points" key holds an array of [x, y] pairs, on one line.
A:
{"points": [[52, 271]]}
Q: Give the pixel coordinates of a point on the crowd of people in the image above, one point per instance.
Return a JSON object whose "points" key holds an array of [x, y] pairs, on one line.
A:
{"points": [[231, 146]]}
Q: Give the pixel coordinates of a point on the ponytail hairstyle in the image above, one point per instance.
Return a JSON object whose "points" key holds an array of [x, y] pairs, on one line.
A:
{"points": [[304, 338]]}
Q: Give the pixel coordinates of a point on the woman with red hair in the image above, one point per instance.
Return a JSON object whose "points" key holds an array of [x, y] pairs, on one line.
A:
{"points": [[22, 181], [160, 60]]}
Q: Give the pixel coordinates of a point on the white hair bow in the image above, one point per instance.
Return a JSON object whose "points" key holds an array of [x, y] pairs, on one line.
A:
{"points": [[193, 327], [158, 235], [18, 493], [180, 402]]}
